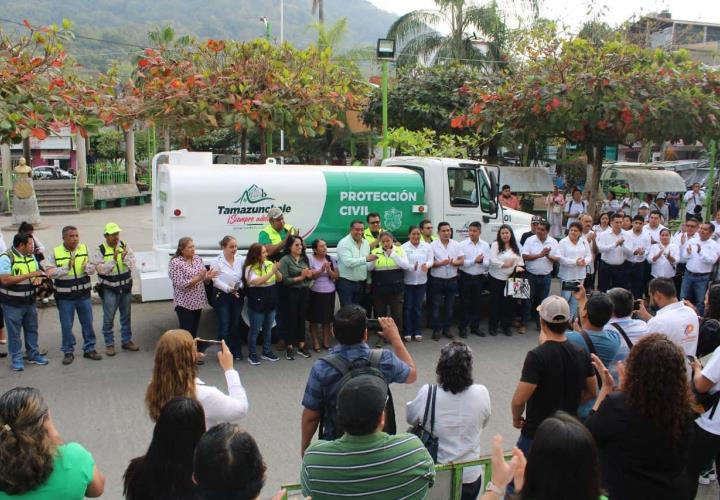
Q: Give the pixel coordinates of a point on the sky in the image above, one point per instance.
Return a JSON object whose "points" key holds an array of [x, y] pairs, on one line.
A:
{"points": [[574, 12]]}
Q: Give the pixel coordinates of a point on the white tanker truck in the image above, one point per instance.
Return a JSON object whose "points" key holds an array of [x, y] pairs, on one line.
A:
{"points": [[191, 196]]}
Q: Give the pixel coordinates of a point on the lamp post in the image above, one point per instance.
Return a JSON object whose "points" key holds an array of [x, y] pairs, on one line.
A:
{"points": [[268, 132], [385, 53]]}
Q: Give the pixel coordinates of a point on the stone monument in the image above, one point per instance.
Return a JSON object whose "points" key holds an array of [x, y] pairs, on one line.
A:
{"points": [[24, 201]]}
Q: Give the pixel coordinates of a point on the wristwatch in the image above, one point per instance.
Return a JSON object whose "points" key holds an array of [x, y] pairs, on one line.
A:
{"points": [[494, 489]]}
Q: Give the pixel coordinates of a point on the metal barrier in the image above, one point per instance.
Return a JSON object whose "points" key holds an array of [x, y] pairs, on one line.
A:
{"points": [[101, 174], [448, 476]]}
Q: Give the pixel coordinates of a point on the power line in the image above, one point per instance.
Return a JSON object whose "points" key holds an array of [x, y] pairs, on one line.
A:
{"points": [[112, 42]]}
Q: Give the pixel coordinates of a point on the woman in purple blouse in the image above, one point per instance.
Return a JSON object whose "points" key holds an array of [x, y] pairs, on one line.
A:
{"points": [[322, 295]]}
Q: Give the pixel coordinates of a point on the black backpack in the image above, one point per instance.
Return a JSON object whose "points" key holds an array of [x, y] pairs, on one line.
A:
{"points": [[351, 369]]}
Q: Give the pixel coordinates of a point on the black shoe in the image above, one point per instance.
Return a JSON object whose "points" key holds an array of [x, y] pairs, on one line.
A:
{"points": [[239, 356], [462, 333], [3, 355], [303, 352], [68, 358], [289, 354], [436, 336], [493, 332], [92, 355], [507, 332], [479, 333], [448, 335]]}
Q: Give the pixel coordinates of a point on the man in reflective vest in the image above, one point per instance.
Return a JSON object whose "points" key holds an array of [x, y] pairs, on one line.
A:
{"points": [[273, 235], [72, 293], [114, 263], [373, 231], [19, 275]]}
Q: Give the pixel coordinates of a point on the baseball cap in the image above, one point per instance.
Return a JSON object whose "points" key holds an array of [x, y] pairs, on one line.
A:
{"points": [[554, 309], [274, 213], [536, 219], [644, 205], [362, 397], [661, 196], [112, 228]]}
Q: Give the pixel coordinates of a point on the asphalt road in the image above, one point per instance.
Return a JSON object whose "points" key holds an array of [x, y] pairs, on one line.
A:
{"points": [[100, 403]]}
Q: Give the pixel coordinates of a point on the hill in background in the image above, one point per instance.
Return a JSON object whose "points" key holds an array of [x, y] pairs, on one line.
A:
{"points": [[127, 22]]}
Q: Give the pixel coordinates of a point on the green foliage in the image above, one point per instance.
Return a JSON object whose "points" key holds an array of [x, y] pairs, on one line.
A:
{"points": [[426, 142], [106, 144]]}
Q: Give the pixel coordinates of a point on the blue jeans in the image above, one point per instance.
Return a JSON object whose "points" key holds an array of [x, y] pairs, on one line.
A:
{"points": [[260, 321], [350, 292], [694, 288], [412, 310], [19, 318], [111, 303], [443, 297], [571, 300], [539, 290], [523, 443], [67, 309], [228, 309]]}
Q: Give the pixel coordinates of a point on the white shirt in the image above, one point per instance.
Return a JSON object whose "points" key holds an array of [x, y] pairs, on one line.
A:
{"points": [[3, 245], [610, 205], [459, 422], [610, 252], [230, 278], [716, 234], [635, 242], [635, 329], [692, 200], [703, 261], [680, 323], [584, 237], [441, 252], [534, 246], [497, 259], [711, 371], [663, 268], [219, 407], [678, 240], [417, 256], [597, 229], [568, 253], [573, 209], [471, 251], [653, 233]]}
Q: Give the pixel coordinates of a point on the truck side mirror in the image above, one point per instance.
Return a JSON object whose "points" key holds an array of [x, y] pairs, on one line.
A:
{"points": [[492, 207]]}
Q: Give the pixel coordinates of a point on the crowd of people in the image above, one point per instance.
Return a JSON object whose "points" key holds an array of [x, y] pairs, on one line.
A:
{"points": [[614, 402]]}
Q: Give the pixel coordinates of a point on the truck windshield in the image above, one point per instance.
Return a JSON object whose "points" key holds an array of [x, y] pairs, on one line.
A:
{"points": [[462, 187]]}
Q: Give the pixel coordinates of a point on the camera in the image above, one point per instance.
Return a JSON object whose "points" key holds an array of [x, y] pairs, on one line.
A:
{"points": [[636, 305], [373, 325], [570, 286]]}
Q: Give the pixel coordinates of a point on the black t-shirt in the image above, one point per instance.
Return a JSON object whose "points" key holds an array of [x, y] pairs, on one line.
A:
{"points": [[525, 236], [559, 370], [636, 458]]}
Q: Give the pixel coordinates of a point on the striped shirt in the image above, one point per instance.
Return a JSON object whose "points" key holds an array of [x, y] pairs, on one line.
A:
{"points": [[374, 466]]}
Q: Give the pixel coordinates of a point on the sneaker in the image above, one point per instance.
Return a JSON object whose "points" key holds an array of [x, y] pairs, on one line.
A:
{"points": [[68, 358], [269, 356], [42, 352], [253, 359], [448, 335], [17, 366], [38, 360], [110, 350], [407, 338], [289, 354], [92, 355], [712, 474], [418, 338], [130, 346], [303, 352], [704, 478], [239, 356], [492, 332], [522, 329]]}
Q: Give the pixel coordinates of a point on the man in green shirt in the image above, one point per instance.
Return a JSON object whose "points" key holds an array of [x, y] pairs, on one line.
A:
{"points": [[353, 253], [366, 461], [273, 235]]}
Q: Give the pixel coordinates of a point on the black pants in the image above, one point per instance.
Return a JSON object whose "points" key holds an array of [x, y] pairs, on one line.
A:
{"points": [[679, 273], [610, 276], [501, 309], [391, 302], [636, 276], [189, 319], [704, 447], [470, 491], [292, 311], [471, 288]]}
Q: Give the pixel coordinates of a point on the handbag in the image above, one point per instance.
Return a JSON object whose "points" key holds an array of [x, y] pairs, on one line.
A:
{"points": [[517, 288], [428, 439]]}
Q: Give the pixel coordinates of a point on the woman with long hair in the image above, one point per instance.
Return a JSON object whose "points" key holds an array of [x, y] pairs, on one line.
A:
{"points": [[175, 375], [709, 335], [643, 429], [387, 276], [294, 293], [165, 471], [260, 276], [35, 463], [562, 464], [603, 222], [505, 260], [228, 290], [462, 410], [575, 256], [188, 275], [321, 308], [420, 257]]}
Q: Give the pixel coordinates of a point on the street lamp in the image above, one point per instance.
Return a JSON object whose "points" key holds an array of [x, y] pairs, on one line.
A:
{"points": [[268, 132], [385, 53]]}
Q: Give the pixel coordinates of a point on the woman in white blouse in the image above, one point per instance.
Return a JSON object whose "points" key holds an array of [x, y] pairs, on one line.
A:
{"points": [[575, 256], [227, 294], [505, 260], [462, 411], [420, 258], [175, 374], [663, 256]]}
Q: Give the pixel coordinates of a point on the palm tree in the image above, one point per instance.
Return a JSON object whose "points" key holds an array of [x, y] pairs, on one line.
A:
{"points": [[477, 34], [318, 6]]}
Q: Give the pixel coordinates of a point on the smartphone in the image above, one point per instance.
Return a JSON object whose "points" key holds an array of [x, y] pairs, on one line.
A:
{"points": [[207, 342], [636, 305], [570, 286], [373, 325]]}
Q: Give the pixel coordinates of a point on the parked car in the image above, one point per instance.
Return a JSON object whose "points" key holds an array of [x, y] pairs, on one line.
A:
{"points": [[44, 172]]}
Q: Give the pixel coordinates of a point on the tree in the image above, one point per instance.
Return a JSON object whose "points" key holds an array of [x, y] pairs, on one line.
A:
{"points": [[600, 95], [419, 36]]}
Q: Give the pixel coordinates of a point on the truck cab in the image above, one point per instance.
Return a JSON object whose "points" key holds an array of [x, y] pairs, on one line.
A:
{"points": [[461, 191]]}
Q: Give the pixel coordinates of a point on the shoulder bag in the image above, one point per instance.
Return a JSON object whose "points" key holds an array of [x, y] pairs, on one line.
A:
{"points": [[517, 288], [420, 429]]}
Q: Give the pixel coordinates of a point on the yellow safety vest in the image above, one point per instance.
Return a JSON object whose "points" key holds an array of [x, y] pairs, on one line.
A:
{"points": [[384, 262], [274, 235], [367, 234], [24, 292], [120, 279], [266, 269], [75, 284], [387, 277], [432, 238]]}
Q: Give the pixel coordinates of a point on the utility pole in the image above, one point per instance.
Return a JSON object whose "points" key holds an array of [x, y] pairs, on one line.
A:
{"points": [[282, 40], [268, 132], [385, 65]]}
